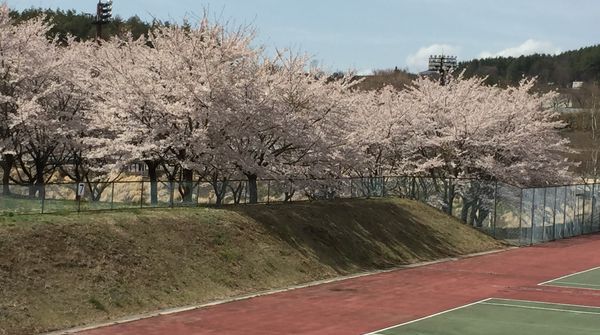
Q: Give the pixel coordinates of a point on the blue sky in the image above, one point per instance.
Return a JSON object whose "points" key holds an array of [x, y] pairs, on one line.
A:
{"points": [[381, 34]]}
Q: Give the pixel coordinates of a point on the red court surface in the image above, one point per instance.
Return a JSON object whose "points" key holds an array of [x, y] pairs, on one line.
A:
{"points": [[361, 305]]}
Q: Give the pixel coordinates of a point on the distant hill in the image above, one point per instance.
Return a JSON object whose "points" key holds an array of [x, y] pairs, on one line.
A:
{"points": [[381, 78], [560, 70]]}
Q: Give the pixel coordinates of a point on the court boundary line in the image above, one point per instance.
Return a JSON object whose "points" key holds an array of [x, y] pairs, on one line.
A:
{"points": [[546, 302], [483, 301], [428, 317], [572, 284], [569, 275], [546, 309]]}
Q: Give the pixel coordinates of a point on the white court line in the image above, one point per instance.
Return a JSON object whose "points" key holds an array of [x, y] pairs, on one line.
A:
{"points": [[569, 275], [547, 303], [558, 283], [428, 317], [543, 308], [485, 301]]}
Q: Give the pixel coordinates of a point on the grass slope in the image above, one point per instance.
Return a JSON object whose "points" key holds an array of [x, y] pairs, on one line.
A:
{"points": [[58, 271]]}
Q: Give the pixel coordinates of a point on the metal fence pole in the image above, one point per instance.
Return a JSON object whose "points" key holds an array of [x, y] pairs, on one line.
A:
{"points": [[142, 195], [565, 215], [576, 207], [583, 209], [544, 217], [383, 186], [171, 194], [532, 215], [78, 198], [521, 217], [112, 195], [268, 191], [495, 208], [554, 214], [593, 199], [43, 201], [198, 194]]}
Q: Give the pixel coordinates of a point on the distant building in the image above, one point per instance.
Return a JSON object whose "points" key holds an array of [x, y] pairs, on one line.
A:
{"points": [[440, 66], [577, 85]]}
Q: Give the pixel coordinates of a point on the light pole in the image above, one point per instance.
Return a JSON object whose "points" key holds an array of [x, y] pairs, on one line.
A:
{"points": [[103, 16], [443, 65]]}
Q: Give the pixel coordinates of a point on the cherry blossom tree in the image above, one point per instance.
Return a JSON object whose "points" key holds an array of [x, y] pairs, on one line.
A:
{"points": [[487, 133], [39, 107], [285, 120], [169, 93]]}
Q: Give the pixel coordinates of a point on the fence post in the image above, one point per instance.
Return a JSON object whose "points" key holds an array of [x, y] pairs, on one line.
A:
{"points": [[495, 208], [112, 195], [78, 197], [583, 209], [592, 212], [198, 195], [246, 192], [43, 201], [565, 215], [142, 194], [268, 190], [575, 210], [171, 194], [554, 214], [521, 217], [544, 217], [351, 189], [383, 186], [532, 215]]}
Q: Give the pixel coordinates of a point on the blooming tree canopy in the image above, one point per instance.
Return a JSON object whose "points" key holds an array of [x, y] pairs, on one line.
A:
{"points": [[203, 103]]}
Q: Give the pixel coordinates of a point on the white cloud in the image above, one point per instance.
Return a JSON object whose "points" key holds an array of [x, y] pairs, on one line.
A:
{"points": [[528, 47], [365, 72], [419, 60]]}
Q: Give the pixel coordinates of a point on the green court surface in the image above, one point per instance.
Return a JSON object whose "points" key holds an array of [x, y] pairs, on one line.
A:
{"points": [[501, 317], [589, 279]]}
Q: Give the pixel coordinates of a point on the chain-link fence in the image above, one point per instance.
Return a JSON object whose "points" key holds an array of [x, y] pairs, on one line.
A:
{"points": [[535, 215], [518, 215]]}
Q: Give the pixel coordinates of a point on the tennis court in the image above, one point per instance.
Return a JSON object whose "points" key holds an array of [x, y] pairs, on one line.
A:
{"points": [[588, 279], [505, 316]]}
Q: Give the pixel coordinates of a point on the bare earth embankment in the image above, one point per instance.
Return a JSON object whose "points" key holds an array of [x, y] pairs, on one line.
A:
{"points": [[59, 271]]}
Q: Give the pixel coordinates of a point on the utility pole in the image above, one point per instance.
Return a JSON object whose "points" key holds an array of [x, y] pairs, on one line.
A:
{"points": [[103, 16], [443, 65]]}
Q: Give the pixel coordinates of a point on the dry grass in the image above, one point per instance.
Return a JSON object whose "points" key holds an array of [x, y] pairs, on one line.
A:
{"points": [[58, 271]]}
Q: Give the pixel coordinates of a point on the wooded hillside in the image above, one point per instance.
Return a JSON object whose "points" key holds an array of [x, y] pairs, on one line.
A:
{"points": [[560, 70]]}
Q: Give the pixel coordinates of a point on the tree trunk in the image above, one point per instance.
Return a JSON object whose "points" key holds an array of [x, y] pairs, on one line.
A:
{"points": [[188, 185], [252, 188], [40, 183], [448, 206], [153, 175], [289, 195], [7, 163], [464, 213], [220, 188], [237, 192]]}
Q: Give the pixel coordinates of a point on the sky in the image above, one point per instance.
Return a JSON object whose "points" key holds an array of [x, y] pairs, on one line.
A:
{"points": [[363, 35]]}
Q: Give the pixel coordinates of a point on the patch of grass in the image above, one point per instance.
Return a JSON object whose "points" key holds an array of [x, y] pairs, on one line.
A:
{"points": [[64, 270], [97, 304]]}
